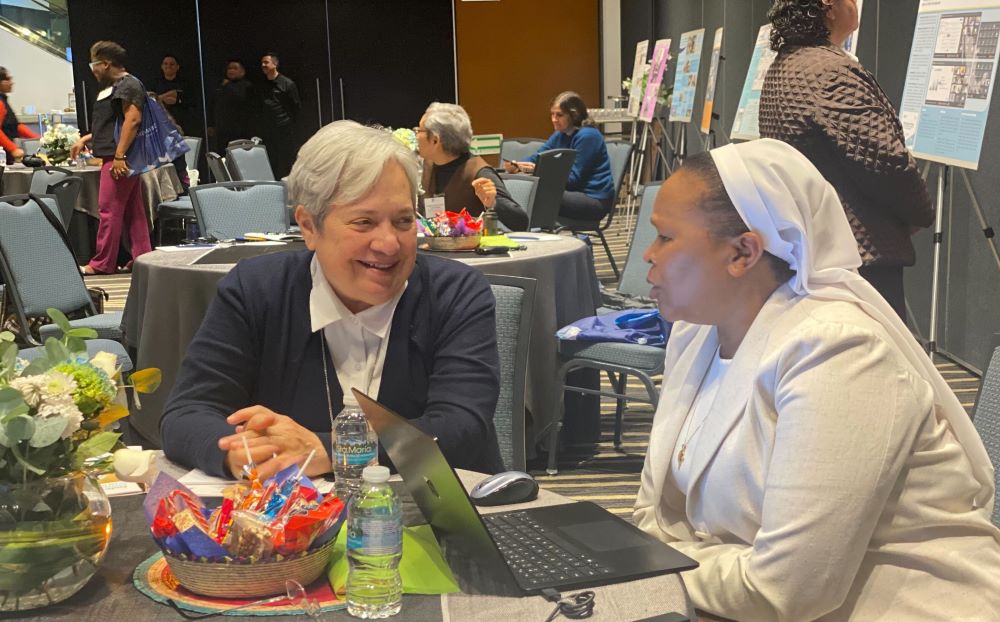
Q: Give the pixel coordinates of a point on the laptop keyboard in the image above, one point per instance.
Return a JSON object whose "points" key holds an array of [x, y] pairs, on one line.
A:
{"points": [[534, 557]]}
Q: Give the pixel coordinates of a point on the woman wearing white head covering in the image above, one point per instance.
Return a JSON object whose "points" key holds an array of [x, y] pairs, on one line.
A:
{"points": [[805, 451]]}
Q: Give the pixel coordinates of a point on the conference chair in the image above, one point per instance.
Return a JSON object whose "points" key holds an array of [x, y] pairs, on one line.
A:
{"points": [[94, 346], [619, 152], [248, 161], [30, 146], [519, 149], [552, 171], [515, 299], [230, 209], [986, 415], [40, 271], [45, 176], [617, 360], [217, 166], [60, 183], [522, 189], [194, 151]]}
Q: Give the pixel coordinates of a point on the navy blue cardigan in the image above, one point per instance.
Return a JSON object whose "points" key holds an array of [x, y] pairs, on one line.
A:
{"points": [[255, 347]]}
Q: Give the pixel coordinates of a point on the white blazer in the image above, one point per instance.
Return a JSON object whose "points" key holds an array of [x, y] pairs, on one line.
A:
{"points": [[823, 484]]}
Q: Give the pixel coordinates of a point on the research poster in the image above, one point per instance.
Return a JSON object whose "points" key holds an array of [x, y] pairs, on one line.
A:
{"points": [[949, 80], [638, 67], [686, 76], [713, 76], [658, 65], [745, 123]]}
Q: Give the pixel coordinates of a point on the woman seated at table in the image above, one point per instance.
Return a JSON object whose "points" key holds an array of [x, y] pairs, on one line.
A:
{"points": [[805, 450], [289, 334], [465, 180], [590, 188]]}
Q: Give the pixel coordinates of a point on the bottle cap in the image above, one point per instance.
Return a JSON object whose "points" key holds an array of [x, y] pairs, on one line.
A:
{"points": [[376, 474]]}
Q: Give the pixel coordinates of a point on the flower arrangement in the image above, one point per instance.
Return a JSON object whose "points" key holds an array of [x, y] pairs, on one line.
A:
{"points": [[406, 136], [662, 97], [57, 140], [56, 411]]}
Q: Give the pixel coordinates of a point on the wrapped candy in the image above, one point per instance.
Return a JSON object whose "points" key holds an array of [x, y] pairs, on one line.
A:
{"points": [[451, 224]]}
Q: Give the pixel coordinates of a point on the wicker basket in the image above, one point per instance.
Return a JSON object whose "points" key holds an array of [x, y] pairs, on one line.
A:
{"points": [[457, 243], [235, 580]]}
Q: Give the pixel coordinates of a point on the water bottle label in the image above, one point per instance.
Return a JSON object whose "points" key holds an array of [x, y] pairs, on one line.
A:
{"points": [[355, 454], [375, 536]]}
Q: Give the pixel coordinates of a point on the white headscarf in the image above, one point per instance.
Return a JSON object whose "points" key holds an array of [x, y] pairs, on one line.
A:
{"points": [[782, 197]]}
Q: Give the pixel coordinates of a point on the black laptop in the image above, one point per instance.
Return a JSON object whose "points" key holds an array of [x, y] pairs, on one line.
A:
{"points": [[567, 546]]}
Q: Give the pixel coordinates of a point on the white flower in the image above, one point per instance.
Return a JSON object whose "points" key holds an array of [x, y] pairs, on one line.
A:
{"points": [[62, 407], [106, 362], [31, 388], [58, 384]]}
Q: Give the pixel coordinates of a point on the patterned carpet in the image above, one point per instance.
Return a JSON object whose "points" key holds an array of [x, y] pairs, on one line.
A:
{"points": [[598, 472]]}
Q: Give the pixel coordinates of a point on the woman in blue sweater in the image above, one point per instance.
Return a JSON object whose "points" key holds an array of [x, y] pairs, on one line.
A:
{"points": [[590, 188]]}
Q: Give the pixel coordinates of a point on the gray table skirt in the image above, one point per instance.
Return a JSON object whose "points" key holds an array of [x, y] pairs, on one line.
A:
{"points": [[158, 185], [110, 594], [169, 297]]}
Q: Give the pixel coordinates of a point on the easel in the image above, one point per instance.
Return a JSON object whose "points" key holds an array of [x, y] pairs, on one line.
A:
{"points": [[636, 166], [945, 178]]}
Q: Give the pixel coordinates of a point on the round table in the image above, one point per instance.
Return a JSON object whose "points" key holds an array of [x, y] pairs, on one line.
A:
{"points": [[158, 185], [110, 594], [170, 294]]}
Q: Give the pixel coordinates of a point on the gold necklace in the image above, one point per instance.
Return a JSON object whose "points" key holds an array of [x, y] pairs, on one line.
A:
{"points": [[701, 383]]}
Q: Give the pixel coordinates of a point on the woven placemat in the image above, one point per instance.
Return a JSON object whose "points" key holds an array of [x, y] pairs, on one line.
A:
{"points": [[154, 579]]}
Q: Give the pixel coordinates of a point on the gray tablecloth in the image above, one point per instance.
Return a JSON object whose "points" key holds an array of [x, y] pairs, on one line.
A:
{"points": [[169, 296], [110, 594], [158, 185]]}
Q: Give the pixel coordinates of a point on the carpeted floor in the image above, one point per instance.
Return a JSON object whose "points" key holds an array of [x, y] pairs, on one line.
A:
{"points": [[599, 473]]}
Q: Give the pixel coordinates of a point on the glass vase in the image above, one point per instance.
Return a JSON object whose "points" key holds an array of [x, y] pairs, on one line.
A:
{"points": [[53, 535]]}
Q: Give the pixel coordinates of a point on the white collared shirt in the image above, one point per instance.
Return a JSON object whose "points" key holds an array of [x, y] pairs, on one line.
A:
{"points": [[357, 341]]}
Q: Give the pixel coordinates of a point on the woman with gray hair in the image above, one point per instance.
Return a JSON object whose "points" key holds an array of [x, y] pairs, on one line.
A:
{"points": [[289, 334], [465, 180]]}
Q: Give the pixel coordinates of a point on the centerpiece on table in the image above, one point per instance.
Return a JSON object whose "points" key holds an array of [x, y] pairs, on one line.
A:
{"points": [[56, 415], [450, 231], [56, 142]]}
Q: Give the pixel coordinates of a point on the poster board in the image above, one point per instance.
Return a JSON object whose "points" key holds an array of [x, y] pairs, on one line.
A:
{"points": [[949, 80], [638, 66], [686, 76], [713, 78], [657, 66], [745, 124]]}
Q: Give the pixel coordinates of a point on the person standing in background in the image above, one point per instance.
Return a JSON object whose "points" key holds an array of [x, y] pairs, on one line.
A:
{"points": [[9, 127], [820, 100], [177, 96], [121, 101], [280, 107], [234, 105]]}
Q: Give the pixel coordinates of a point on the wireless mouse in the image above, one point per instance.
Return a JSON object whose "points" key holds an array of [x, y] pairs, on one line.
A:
{"points": [[505, 488]]}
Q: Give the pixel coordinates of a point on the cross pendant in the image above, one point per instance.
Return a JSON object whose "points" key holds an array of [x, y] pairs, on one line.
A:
{"points": [[680, 455]]}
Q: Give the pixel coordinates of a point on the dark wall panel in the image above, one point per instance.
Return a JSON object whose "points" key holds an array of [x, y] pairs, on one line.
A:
{"points": [[637, 24]]}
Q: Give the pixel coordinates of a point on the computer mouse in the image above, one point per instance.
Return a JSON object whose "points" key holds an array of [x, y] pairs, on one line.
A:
{"points": [[505, 488]]}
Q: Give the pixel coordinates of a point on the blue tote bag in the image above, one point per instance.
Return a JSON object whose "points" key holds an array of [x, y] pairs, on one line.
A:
{"points": [[639, 326], [157, 141]]}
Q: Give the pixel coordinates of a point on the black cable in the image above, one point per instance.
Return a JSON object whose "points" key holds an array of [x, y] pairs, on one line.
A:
{"points": [[575, 606]]}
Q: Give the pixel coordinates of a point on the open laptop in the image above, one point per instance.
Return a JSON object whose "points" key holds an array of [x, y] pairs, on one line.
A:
{"points": [[565, 546]]}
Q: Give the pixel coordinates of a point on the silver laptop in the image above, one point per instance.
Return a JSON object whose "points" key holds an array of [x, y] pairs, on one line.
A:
{"points": [[567, 546]]}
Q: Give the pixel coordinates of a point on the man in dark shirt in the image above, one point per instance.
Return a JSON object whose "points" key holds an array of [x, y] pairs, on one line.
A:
{"points": [[280, 104], [177, 97], [232, 114]]}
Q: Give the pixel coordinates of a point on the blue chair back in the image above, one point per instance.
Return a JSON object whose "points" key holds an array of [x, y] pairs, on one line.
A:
{"points": [[37, 264], [515, 299], [619, 152], [247, 161], [31, 145], [522, 189], [519, 149], [986, 416], [217, 166], [633, 281], [191, 157], [230, 209], [552, 171], [42, 178]]}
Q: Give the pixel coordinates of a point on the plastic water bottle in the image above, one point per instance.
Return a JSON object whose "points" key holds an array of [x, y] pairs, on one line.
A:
{"points": [[355, 446], [3, 157], [374, 548]]}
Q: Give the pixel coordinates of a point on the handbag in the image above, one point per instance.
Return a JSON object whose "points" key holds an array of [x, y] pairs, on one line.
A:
{"points": [[643, 327], [157, 141]]}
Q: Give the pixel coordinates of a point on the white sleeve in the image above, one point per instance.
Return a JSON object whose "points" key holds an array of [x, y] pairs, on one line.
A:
{"points": [[848, 412]]}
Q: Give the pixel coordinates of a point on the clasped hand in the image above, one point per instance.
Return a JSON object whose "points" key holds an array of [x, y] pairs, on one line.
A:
{"points": [[275, 441], [486, 191]]}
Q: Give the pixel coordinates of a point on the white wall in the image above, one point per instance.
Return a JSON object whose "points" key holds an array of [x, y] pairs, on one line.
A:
{"points": [[40, 79], [611, 50]]}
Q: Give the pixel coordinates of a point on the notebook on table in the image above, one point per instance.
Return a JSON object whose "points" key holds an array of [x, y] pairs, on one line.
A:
{"points": [[568, 546]]}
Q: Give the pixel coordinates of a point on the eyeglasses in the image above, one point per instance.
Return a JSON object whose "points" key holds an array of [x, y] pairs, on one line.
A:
{"points": [[295, 595], [417, 130], [96, 63]]}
